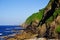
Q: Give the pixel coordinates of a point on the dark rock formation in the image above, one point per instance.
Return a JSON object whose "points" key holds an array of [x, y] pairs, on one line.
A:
{"points": [[50, 12]]}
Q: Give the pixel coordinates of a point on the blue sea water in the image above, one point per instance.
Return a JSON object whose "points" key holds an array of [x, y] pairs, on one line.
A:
{"points": [[8, 29]]}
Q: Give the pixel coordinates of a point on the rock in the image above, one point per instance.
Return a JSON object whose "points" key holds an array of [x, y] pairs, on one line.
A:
{"points": [[52, 33], [23, 35], [11, 39], [35, 23], [31, 39], [58, 20], [24, 25], [41, 39], [42, 30]]}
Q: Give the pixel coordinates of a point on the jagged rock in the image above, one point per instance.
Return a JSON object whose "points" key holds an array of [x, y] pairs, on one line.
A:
{"points": [[58, 20], [35, 23], [24, 35], [32, 27], [41, 39], [42, 30], [52, 32], [31, 39], [24, 25]]}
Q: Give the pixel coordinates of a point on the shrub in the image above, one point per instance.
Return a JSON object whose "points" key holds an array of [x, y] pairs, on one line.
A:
{"points": [[58, 29]]}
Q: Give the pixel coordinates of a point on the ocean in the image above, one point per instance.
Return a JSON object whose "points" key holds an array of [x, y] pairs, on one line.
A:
{"points": [[9, 29]]}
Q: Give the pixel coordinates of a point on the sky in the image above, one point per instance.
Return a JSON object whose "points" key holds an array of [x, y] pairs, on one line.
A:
{"points": [[15, 12]]}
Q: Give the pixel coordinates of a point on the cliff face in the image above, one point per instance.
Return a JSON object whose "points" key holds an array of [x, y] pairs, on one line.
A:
{"points": [[50, 11], [43, 24]]}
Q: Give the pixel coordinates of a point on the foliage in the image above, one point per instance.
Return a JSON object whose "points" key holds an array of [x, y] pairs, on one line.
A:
{"points": [[40, 14], [56, 12], [35, 16], [54, 15], [58, 29]]}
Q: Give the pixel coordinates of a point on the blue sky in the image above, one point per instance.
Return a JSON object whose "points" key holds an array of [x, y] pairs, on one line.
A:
{"points": [[15, 12]]}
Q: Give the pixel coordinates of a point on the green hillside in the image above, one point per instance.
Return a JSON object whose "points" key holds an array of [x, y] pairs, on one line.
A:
{"points": [[39, 15], [35, 16]]}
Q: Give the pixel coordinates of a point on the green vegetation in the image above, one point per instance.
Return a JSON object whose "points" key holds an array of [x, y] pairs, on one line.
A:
{"points": [[35, 16], [56, 12], [58, 29], [39, 15], [50, 19], [54, 15]]}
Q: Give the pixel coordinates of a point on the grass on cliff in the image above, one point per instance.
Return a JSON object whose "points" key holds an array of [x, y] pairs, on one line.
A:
{"points": [[54, 15], [39, 15], [35, 16]]}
